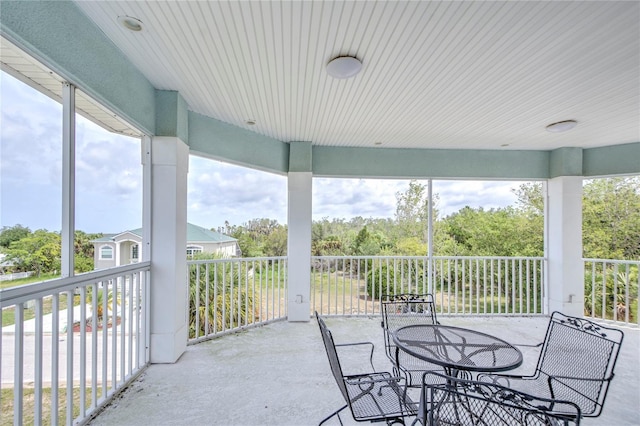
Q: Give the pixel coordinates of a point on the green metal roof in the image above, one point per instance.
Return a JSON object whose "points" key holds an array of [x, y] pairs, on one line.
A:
{"points": [[195, 233]]}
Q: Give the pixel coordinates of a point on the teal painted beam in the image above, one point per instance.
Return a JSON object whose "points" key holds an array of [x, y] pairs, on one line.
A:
{"points": [[429, 163], [612, 160], [213, 138], [172, 117], [565, 162], [300, 154], [60, 36]]}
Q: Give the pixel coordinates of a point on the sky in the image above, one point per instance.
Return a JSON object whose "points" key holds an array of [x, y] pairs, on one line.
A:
{"points": [[109, 179]]}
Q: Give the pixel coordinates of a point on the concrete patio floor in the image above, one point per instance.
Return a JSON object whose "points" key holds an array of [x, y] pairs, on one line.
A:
{"points": [[278, 374]]}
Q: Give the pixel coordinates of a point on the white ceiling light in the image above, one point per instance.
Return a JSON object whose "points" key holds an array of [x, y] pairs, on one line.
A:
{"points": [[562, 126], [130, 23], [344, 67]]}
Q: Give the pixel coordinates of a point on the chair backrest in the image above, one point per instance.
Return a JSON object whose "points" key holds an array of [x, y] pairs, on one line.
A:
{"points": [[466, 402], [405, 309], [579, 356], [332, 354]]}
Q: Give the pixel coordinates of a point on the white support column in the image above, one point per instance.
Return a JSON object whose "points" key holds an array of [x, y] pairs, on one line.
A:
{"points": [[116, 254], [68, 179], [169, 286], [564, 245], [299, 245]]}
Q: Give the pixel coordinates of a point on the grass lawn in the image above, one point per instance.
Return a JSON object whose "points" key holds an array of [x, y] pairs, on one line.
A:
{"points": [[8, 314], [6, 398]]}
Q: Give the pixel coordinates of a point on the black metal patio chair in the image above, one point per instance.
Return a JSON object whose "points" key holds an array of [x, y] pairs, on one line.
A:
{"points": [[576, 364], [453, 401], [374, 396], [401, 310]]}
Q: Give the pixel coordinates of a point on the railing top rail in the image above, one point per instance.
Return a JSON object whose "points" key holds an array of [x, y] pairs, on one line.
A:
{"points": [[13, 295], [633, 262], [235, 259], [433, 257]]}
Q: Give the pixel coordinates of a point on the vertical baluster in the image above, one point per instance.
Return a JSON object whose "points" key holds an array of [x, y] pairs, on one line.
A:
{"points": [[118, 328], [114, 334], [358, 275], [477, 286], [38, 353], [94, 344], [69, 384], [463, 283], [343, 284], [513, 285], [492, 287], [130, 325], [527, 288], [55, 348], [18, 369], [604, 289], [626, 292], [593, 288], [615, 292], [273, 289], [247, 303], [197, 282], [253, 285], [83, 351], [456, 285], [328, 286], [105, 337], [448, 285], [484, 285]]}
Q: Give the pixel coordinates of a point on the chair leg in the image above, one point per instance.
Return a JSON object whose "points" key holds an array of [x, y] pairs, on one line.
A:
{"points": [[335, 413]]}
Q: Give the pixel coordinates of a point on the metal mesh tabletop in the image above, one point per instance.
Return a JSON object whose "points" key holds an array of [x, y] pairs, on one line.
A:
{"points": [[457, 348]]}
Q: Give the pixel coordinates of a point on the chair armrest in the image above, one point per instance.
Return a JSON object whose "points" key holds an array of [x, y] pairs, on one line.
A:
{"points": [[495, 378], [367, 379], [526, 345], [360, 344], [586, 379]]}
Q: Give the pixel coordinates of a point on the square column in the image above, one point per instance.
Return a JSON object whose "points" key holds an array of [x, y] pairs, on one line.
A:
{"points": [[169, 286], [565, 278], [299, 245]]}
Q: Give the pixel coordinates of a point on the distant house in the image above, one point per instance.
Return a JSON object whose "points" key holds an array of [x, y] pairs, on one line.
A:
{"points": [[126, 247]]}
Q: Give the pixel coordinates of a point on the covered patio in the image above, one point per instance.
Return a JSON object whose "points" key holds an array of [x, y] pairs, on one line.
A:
{"points": [[278, 374], [445, 90]]}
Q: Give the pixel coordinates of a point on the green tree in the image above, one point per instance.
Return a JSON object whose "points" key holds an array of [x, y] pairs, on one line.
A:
{"points": [[495, 232], [276, 242], [611, 218], [412, 212], [84, 251], [39, 252], [9, 234]]}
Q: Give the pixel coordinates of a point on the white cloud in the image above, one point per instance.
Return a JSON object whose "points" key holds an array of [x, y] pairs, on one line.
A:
{"points": [[220, 192], [454, 195]]}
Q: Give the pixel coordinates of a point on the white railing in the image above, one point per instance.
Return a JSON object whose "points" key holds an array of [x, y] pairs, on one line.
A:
{"points": [[357, 285], [68, 345], [231, 294], [611, 290]]}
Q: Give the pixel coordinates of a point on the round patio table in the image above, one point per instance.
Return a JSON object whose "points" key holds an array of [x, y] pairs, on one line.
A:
{"points": [[457, 349]]}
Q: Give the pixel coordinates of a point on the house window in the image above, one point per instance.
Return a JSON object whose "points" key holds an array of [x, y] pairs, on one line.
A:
{"points": [[106, 252], [134, 252], [193, 250]]}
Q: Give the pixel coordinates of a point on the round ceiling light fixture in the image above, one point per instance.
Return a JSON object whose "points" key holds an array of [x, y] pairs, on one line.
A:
{"points": [[562, 126], [344, 67], [130, 23]]}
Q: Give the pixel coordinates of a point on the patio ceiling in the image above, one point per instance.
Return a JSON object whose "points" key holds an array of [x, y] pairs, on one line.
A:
{"points": [[444, 75]]}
